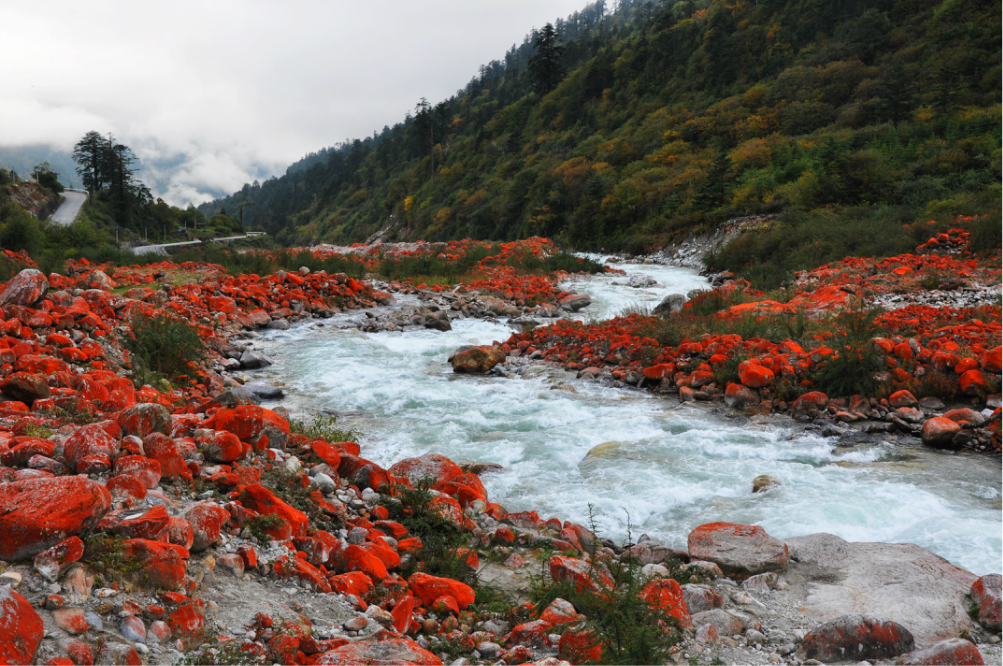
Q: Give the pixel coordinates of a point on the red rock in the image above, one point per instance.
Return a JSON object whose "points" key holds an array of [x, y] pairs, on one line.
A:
{"points": [[951, 652], [986, 593], [304, 571], [249, 556], [260, 427], [738, 396], [224, 447], [753, 375], [902, 399], [429, 588], [966, 416], [809, 401], [388, 652], [71, 620], [206, 519], [356, 558], [973, 382], [27, 288], [79, 652], [403, 614], [353, 582], [445, 605], [856, 637], [24, 448], [164, 450], [700, 598], [146, 470], [738, 549], [479, 359], [88, 441], [21, 626], [433, 467], [158, 631], [665, 595], [387, 555], [126, 486], [580, 646], [25, 387], [179, 532], [187, 625], [261, 500], [38, 513], [158, 565], [579, 572], [992, 360], [52, 562], [559, 612], [148, 523], [939, 432], [145, 419]]}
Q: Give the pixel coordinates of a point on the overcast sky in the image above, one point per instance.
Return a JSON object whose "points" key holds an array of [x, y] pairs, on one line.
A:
{"points": [[211, 95]]}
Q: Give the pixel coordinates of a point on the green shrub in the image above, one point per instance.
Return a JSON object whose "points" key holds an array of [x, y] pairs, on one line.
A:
{"points": [[855, 361], [987, 234], [164, 348], [325, 427]]}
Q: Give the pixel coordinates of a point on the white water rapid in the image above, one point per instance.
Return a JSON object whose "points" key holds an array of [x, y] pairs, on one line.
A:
{"points": [[670, 467]]}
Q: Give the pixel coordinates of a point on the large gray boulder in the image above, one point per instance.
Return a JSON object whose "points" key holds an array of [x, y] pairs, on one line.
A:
{"points": [[901, 582], [671, 303]]}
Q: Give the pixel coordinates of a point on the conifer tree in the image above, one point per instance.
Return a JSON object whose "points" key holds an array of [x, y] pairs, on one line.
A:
{"points": [[546, 66]]}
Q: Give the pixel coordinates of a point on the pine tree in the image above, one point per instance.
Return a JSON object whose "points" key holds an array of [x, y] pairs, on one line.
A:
{"points": [[89, 154], [546, 66]]}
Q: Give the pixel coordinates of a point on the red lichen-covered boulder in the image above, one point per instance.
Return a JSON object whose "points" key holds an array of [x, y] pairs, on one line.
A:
{"points": [[206, 519], [754, 375], [222, 447], [145, 419], [809, 401], [579, 572], [973, 382], [21, 628], [147, 523], [27, 288], [23, 448], [951, 652], [40, 512], [992, 360], [403, 614], [126, 487], [389, 652], [902, 398], [939, 432], [356, 558], [478, 359], [353, 582], [429, 588], [579, 646], [187, 625], [180, 532], [88, 441], [293, 523], [738, 549], [25, 386], [738, 396], [260, 427], [163, 449], [986, 593], [146, 470], [855, 637], [154, 565], [665, 595], [52, 562], [435, 468]]}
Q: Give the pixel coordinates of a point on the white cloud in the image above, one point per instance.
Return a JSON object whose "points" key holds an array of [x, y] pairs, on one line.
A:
{"points": [[213, 95]]}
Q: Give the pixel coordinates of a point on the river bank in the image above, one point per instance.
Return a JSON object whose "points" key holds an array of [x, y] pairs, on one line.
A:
{"points": [[263, 539]]}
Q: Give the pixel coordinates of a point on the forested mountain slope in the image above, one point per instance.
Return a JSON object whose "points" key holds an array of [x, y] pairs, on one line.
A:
{"points": [[675, 116]]}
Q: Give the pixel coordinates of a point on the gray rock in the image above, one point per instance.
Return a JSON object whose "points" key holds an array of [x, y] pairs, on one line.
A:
{"points": [[264, 391], [760, 584], [325, 483], [725, 623], [951, 651], [901, 582], [669, 304], [438, 324], [358, 535], [278, 325], [700, 598], [576, 302], [252, 361]]}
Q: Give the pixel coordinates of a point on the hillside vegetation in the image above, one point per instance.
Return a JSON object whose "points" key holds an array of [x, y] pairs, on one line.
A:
{"points": [[677, 116]]}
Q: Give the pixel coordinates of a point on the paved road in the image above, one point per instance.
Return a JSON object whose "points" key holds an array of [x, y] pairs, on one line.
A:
{"points": [[70, 208], [159, 249]]}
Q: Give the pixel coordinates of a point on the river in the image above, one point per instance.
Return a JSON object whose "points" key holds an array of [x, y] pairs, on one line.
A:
{"points": [[669, 467]]}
